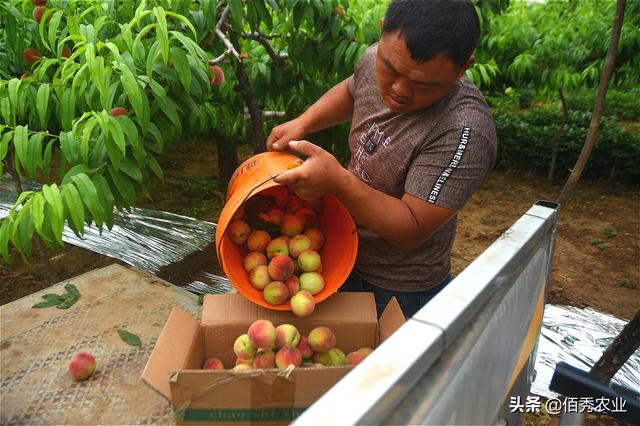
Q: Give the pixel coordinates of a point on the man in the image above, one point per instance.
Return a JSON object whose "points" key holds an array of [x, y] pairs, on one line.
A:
{"points": [[422, 139]]}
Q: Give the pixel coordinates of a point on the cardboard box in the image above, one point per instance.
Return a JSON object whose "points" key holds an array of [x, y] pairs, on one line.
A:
{"points": [[268, 396]]}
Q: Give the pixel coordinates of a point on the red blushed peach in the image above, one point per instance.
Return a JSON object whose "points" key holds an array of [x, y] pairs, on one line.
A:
{"points": [[277, 247], [293, 285], [213, 364], [275, 293], [321, 339], [246, 361], [298, 244], [291, 225], [243, 348], [294, 204], [281, 268], [239, 231], [309, 261], [258, 240], [287, 335], [253, 259], [262, 334], [333, 357], [264, 359], [259, 277], [356, 357], [82, 366], [302, 303], [311, 282], [275, 215], [308, 218], [288, 356], [305, 350], [317, 238]]}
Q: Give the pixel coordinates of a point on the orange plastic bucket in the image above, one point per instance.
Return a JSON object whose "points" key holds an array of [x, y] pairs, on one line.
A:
{"points": [[341, 237]]}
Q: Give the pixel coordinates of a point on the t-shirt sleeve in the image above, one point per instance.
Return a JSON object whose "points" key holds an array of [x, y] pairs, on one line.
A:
{"points": [[449, 168]]}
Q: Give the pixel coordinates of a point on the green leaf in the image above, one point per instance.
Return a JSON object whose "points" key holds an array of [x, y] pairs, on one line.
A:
{"points": [[14, 91], [20, 143], [193, 48], [70, 148], [264, 14], [86, 136], [68, 302], [46, 304], [236, 14], [43, 21], [38, 212], [73, 202], [51, 297], [131, 169], [169, 109], [55, 210], [115, 130], [53, 29], [72, 289], [89, 196], [5, 231], [130, 338], [106, 198], [42, 101], [155, 167], [67, 109], [181, 63], [134, 93], [34, 154], [162, 33]]}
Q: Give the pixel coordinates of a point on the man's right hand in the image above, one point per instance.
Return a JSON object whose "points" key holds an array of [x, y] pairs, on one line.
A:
{"points": [[280, 135]]}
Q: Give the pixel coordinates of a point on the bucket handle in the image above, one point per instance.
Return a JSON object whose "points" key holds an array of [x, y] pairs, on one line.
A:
{"points": [[224, 233]]}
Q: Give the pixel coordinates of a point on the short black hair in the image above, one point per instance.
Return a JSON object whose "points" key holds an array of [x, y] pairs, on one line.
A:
{"points": [[430, 27]]}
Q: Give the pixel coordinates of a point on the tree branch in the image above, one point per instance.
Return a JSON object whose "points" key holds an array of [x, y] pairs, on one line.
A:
{"points": [[223, 36], [263, 39]]}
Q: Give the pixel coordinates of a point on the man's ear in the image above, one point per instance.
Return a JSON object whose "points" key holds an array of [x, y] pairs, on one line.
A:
{"points": [[467, 65]]}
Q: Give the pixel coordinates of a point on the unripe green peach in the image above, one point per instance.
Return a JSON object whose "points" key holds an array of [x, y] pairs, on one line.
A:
{"points": [[298, 244], [309, 261], [243, 348], [253, 259], [312, 282], [259, 277], [275, 293], [333, 357], [277, 247], [302, 303]]}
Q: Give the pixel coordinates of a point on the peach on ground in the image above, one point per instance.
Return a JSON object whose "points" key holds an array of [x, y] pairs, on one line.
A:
{"points": [[243, 348], [317, 238], [309, 261], [275, 293], [239, 231], [308, 218], [356, 357], [82, 366], [253, 259], [302, 303], [287, 335], [288, 356], [262, 334], [291, 225], [213, 364], [258, 240], [281, 268], [259, 277], [277, 247], [321, 339], [312, 282], [293, 285], [305, 350], [264, 359], [299, 244]]}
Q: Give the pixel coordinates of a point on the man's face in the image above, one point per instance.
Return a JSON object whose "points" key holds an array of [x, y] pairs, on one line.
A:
{"points": [[407, 85]]}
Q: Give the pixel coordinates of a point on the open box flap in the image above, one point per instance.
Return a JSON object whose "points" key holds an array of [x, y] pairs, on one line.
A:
{"points": [[391, 319], [174, 350]]}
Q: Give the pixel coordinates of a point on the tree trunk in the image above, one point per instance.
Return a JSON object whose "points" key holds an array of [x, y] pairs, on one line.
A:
{"points": [[619, 350], [227, 158], [255, 111], [556, 137], [599, 105]]}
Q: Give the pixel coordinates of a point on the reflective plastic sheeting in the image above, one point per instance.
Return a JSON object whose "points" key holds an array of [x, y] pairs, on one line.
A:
{"points": [[579, 337]]}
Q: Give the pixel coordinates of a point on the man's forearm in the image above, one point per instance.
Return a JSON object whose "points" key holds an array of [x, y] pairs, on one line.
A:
{"points": [[334, 107]]}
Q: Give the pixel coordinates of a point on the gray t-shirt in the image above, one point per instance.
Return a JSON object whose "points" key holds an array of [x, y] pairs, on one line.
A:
{"points": [[439, 154]]}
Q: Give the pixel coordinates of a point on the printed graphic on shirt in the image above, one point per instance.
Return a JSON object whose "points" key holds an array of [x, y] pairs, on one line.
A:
{"points": [[453, 164], [369, 141]]}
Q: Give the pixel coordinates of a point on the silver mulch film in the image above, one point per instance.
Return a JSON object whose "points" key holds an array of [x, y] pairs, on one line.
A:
{"points": [[149, 240], [579, 337]]}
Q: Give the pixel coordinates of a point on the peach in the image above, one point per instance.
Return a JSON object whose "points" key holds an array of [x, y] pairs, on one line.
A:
{"points": [[258, 240], [247, 361], [243, 367], [243, 348], [281, 268], [298, 244], [312, 282], [275, 215], [238, 215], [288, 356], [213, 364], [305, 350], [287, 336], [264, 359], [116, 111], [356, 357], [315, 205], [294, 204], [277, 247], [31, 55], [309, 261], [308, 218], [239, 231], [293, 285], [317, 238], [291, 225], [262, 334], [259, 277], [218, 75], [285, 239], [333, 357], [302, 303], [321, 339], [280, 194], [253, 259], [82, 366], [275, 293], [38, 11]]}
